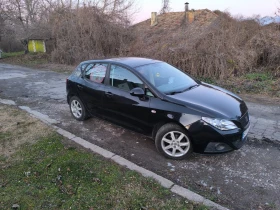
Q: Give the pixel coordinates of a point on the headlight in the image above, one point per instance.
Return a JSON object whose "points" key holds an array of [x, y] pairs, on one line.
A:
{"points": [[221, 124]]}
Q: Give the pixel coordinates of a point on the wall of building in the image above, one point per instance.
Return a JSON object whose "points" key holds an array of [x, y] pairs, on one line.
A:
{"points": [[36, 46]]}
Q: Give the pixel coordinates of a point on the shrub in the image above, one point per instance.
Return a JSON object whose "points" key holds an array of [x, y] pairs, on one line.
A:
{"points": [[86, 33], [212, 46]]}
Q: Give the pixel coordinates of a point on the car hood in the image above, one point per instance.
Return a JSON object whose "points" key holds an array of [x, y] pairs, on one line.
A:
{"points": [[211, 101]]}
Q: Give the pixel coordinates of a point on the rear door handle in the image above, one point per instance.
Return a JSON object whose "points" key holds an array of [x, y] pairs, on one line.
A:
{"points": [[80, 87]]}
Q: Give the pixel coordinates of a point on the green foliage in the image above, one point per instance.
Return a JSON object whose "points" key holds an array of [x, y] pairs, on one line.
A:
{"points": [[12, 54], [259, 76], [4, 138], [261, 83], [253, 83], [30, 59], [49, 175]]}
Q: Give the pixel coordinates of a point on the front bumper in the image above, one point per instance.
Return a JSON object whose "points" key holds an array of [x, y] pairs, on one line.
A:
{"points": [[208, 139]]}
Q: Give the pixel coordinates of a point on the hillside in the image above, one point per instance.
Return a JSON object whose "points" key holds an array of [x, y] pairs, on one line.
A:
{"points": [[171, 32], [213, 45]]}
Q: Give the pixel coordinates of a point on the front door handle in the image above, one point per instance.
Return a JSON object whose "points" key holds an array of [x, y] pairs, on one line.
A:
{"points": [[109, 94]]}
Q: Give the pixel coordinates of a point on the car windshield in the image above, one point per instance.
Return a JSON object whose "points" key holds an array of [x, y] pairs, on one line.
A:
{"points": [[166, 78]]}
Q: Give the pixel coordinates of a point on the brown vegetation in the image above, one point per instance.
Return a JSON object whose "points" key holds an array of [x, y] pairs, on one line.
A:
{"points": [[79, 39], [214, 45], [18, 128], [90, 21]]}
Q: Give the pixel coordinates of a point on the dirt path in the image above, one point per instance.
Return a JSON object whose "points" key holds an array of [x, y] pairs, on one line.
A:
{"points": [[245, 179]]}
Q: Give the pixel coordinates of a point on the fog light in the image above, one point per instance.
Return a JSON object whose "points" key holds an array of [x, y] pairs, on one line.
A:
{"points": [[217, 147], [220, 147]]}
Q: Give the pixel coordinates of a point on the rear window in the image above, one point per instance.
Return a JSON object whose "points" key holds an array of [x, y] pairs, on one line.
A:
{"points": [[79, 69], [96, 72]]}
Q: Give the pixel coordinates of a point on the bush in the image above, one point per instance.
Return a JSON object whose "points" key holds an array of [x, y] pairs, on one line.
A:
{"points": [[212, 46], [10, 44], [86, 33]]}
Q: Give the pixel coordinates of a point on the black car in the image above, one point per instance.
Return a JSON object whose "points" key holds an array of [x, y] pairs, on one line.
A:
{"points": [[180, 113]]}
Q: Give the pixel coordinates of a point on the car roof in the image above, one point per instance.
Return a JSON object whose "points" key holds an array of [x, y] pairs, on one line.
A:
{"points": [[129, 61]]}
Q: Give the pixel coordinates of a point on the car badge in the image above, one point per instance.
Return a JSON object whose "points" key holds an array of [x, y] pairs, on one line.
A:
{"points": [[154, 111]]}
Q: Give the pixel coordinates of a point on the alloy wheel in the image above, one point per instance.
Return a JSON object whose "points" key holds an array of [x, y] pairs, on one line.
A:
{"points": [[175, 143], [76, 108]]}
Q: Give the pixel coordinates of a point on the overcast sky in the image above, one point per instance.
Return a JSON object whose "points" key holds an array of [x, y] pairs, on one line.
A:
{"points": [[246, 8]]}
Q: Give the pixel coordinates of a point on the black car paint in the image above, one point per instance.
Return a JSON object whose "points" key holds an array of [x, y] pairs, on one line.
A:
{"points": [[147, 114]]}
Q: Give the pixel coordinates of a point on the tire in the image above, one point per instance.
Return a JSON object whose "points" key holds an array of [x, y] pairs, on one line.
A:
{"points": [[78, 109], [173, 142]]}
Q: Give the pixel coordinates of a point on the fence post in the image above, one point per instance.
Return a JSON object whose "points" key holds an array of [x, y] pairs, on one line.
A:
{"points": [[1, 53]]}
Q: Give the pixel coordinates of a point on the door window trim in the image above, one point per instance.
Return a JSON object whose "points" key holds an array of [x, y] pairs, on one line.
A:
{"points": [[91, 81], [126, 68], [107, 79]]}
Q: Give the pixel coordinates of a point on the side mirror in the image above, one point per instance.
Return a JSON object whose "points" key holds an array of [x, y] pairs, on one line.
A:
{"points": [[139, 92]]}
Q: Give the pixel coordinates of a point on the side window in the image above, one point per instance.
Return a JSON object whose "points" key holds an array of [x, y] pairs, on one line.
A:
{"points": [[124, 79], [78, 71], [83, 66], [96, 72]]}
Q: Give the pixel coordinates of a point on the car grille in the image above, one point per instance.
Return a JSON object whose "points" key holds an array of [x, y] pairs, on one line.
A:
{"points": [[244, 120]]}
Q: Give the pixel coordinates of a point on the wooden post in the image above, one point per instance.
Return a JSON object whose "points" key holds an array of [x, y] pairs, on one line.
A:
{"points": [[154, 21]]}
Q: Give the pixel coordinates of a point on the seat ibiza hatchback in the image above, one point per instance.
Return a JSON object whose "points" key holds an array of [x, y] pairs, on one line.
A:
{"points": [[180, 113]]}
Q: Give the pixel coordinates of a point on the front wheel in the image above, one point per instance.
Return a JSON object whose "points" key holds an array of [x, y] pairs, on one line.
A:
{"points": [[173, 142], [77, 109]]}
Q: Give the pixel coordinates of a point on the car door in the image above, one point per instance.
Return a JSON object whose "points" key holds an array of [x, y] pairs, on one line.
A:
{"points": [[120, 105], [91, 90]]}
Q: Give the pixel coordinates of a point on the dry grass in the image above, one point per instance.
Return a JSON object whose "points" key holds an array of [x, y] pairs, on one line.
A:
{"points": [[55, 175], [38, 61], [215, 45], [18, 128]]}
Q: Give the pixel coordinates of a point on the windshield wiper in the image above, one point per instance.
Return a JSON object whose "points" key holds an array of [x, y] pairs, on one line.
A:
{"points": [[181, 91], [193, 86], [175, 92]]}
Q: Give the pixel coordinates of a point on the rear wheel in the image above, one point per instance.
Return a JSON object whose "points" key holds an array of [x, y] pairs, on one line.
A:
{"points": [[173, 142], [77, 109]]}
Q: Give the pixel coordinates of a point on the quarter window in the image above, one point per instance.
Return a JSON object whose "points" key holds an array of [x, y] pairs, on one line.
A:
{"points": [[124, 79], [96, 72]]}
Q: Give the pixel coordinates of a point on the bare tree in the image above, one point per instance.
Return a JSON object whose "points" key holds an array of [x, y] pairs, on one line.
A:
{"points": [[79, 39], [25, 14], [2, 26], [165, 6], [25, 18], [90, 30], [79, 29]]}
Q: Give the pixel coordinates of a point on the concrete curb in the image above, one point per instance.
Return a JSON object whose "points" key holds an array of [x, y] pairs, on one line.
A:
{"points": [[181, 191], [146, 173], [7, 102], [94, 148], [38, 115], [195, 197]]}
